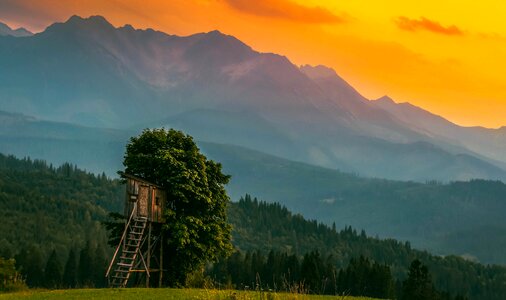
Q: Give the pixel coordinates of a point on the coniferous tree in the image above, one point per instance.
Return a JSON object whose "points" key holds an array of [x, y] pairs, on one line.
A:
{"points": [[32, 266], [99, 267], [292, 269], [310, 270], [235, 268], [85, 273], [418, 285], [53, 272], [69, 279]]}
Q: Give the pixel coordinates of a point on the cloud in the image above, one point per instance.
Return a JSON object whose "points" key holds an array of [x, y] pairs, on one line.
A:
{"points": [[285, 9], [407, 24]]}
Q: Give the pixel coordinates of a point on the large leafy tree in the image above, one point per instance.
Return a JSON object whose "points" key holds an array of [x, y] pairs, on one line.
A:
{"points": [[196, 229]]}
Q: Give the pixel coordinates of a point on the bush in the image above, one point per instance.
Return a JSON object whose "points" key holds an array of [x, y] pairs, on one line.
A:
{"points": [[10, 279]]}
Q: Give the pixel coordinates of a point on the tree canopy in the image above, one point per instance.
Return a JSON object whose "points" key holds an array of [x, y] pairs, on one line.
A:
{"points": [[196, 229]]}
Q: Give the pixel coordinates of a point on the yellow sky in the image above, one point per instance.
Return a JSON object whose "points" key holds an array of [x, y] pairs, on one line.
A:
{"points": [[445, 56]]}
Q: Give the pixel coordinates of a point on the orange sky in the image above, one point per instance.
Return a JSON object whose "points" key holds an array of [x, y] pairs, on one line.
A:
{"points": [[445, 56]]}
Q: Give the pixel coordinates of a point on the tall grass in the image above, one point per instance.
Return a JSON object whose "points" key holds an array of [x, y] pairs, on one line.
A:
{"points": [[165, 293]]}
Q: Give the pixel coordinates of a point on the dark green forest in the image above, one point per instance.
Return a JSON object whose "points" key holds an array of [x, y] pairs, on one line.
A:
{"points": [[261, 227], [52, 216], [52, 227], [447, 218]]}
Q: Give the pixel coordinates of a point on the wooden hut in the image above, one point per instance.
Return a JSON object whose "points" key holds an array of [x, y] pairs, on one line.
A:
{"points": [[149, 198]]}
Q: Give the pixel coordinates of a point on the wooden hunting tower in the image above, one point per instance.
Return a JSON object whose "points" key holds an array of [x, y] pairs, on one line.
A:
{"points": [[144, 207], [148, 197]]}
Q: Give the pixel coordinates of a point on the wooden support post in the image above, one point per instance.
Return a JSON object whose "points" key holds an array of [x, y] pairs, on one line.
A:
{"points": [[161, 260], [148, 256]]}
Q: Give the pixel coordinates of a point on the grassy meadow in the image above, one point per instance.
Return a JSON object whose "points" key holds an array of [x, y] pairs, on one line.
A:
{"points": [[141, 293]]}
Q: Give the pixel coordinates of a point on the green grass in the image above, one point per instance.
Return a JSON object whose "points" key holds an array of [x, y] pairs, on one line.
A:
{"points": [[139, 293]]}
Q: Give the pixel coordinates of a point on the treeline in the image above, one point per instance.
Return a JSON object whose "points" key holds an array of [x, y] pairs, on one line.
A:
{"points": [[44, 208], [84, 267], [316, 274], [269, 226], [311, 273]]}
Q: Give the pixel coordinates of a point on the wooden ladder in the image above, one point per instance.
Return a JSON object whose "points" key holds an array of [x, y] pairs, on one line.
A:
{"points": [[130, 250]]}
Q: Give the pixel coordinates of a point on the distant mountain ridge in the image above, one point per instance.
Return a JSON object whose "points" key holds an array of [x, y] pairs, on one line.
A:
{"points": [[488, 142], [85, 71], [20, 32]]}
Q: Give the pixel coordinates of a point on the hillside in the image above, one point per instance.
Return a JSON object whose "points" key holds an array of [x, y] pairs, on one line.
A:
{"points": [[455, 218], [218, 89], [96, 149], [262, 226], [47, 208], [444, 219], [477, 139]]}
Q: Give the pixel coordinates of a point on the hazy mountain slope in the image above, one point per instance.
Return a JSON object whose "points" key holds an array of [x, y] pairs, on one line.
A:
{"points": [[461, 218], [487, 142], [364, 117], [20, 32], [372, 157], [98, 150], [408, 123], [58, 75], [87, 72]]}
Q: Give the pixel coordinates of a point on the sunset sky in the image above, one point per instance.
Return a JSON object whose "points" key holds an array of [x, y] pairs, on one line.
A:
{"points": [[446, 56]]}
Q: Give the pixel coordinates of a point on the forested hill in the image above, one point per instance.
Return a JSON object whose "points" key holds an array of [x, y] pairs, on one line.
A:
{"points": [[270, 226], [45, 208], [452, 218]]}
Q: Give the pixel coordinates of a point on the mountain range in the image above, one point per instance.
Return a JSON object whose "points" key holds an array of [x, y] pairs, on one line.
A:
{"points": [[6, 30], [87, 72]]}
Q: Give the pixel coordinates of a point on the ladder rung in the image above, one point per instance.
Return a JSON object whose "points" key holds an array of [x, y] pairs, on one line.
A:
{"points": [[119, 277], [130, 245], [124, 265], [121, 271], [128, 251], [127, 257]]}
